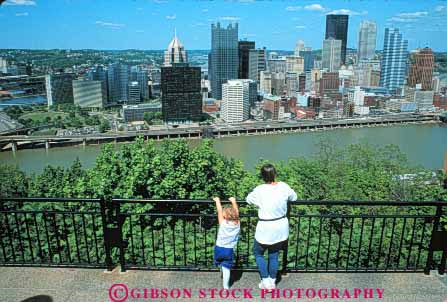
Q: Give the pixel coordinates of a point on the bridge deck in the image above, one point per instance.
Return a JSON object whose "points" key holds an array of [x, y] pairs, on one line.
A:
{"points": [[66, 285]]}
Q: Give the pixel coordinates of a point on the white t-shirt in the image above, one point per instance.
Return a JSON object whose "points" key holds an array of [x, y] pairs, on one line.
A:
{"points": [[228, 234], [272, 203]]}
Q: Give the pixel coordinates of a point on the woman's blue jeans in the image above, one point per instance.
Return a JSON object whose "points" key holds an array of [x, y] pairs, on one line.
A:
{"points": [[271, 269]]}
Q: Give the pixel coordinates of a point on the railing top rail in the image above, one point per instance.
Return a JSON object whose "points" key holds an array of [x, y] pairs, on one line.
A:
{"points": [[49, 199], [298, 202], [207, 201]]}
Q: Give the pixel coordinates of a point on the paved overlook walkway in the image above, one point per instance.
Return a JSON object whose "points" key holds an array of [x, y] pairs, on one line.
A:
{"points": [[92, 285]]}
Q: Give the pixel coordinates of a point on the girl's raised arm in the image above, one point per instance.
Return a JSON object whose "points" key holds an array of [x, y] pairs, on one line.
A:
{"points": [[219, 210]]}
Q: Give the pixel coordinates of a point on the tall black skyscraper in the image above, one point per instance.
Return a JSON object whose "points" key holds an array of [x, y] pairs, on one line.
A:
{"points": [[181, 96], [337, 28], [244, 50]]}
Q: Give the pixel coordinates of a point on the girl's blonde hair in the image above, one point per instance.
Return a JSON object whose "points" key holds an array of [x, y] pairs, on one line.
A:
{"points": [[231, 214]]}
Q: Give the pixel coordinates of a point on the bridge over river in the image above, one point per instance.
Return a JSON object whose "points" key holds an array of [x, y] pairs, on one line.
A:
{"points": [[15, 142]]}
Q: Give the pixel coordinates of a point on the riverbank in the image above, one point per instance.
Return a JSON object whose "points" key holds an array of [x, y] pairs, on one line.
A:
{"points": [[17, 142], [424, 145]]}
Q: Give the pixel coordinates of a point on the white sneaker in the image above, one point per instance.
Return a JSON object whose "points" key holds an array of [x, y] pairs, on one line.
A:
{"points": [[272, 282], [266, 284]]}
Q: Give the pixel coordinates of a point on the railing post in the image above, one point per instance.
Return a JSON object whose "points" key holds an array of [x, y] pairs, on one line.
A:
{"points": [[285, 253], [120, 220], [107, 243], [429, 262]]}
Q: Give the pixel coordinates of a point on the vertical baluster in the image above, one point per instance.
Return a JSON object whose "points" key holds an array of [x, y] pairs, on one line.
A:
{"points": [[173, 243], [164, 241], [85, 238], [96, 238], [371, 238], [421, 244], [30, 243], [5, 257], [206, 249], [329, 244], [8, 227], [340, 242], [360, 244], [56, 233], [50, 252], [319, 243], [308, 243], [391, 244], [350, 242], [195, 243], [70, 260], [411, 242], [153, 242], [142, 240], [297, 241], [78, 252], [132, 250], [184, 242], [401, 241], [19, 236], [38, 237], [379, 252]]}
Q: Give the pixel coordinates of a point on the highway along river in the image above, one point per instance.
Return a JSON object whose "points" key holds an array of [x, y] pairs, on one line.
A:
{"points": [[424, 145]]}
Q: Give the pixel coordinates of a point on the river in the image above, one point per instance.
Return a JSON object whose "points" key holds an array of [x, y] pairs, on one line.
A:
{"points": [[424, 145]]}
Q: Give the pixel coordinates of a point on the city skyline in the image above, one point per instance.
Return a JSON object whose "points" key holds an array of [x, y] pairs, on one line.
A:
{"points": [[43, 24]]}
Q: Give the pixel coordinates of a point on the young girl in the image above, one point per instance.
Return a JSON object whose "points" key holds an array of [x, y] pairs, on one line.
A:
{"points": [[227, 236]]}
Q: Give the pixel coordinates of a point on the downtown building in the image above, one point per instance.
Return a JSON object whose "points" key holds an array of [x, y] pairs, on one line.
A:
{"points": [[59, 88], [422, 63], [244, 56], [394, 60], [331, 56], [337, 28], [118, 82], [236, 95], [224, 57], [308, 58], [88, 94], [175, 53], [257, 62], [181, 95], [367, 40], [98, 73]]}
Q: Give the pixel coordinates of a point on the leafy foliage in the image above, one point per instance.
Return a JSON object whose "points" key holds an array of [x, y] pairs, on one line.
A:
{"points": [[174, 170]]}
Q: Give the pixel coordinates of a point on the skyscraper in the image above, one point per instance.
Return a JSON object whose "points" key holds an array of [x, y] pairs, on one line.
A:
{"points": [[3, 65], [134, 93], [142, 80], [294, 64], [421, 69], [299, 47], [175, 53], [244, 51], [118, 80], [181, 95], [337, 28], [59, 88], [224, 56], [367, 40], [235, 105], [98, 73], [331, 57], [88, 94], [256, 63], [308, 58], [394, 60]]}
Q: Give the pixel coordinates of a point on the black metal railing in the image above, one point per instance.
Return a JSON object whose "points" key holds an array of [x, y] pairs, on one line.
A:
{"points": [[333, 236]]}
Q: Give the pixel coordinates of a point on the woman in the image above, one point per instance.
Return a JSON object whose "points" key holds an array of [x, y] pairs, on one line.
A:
{"points": [[272, 230]]}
